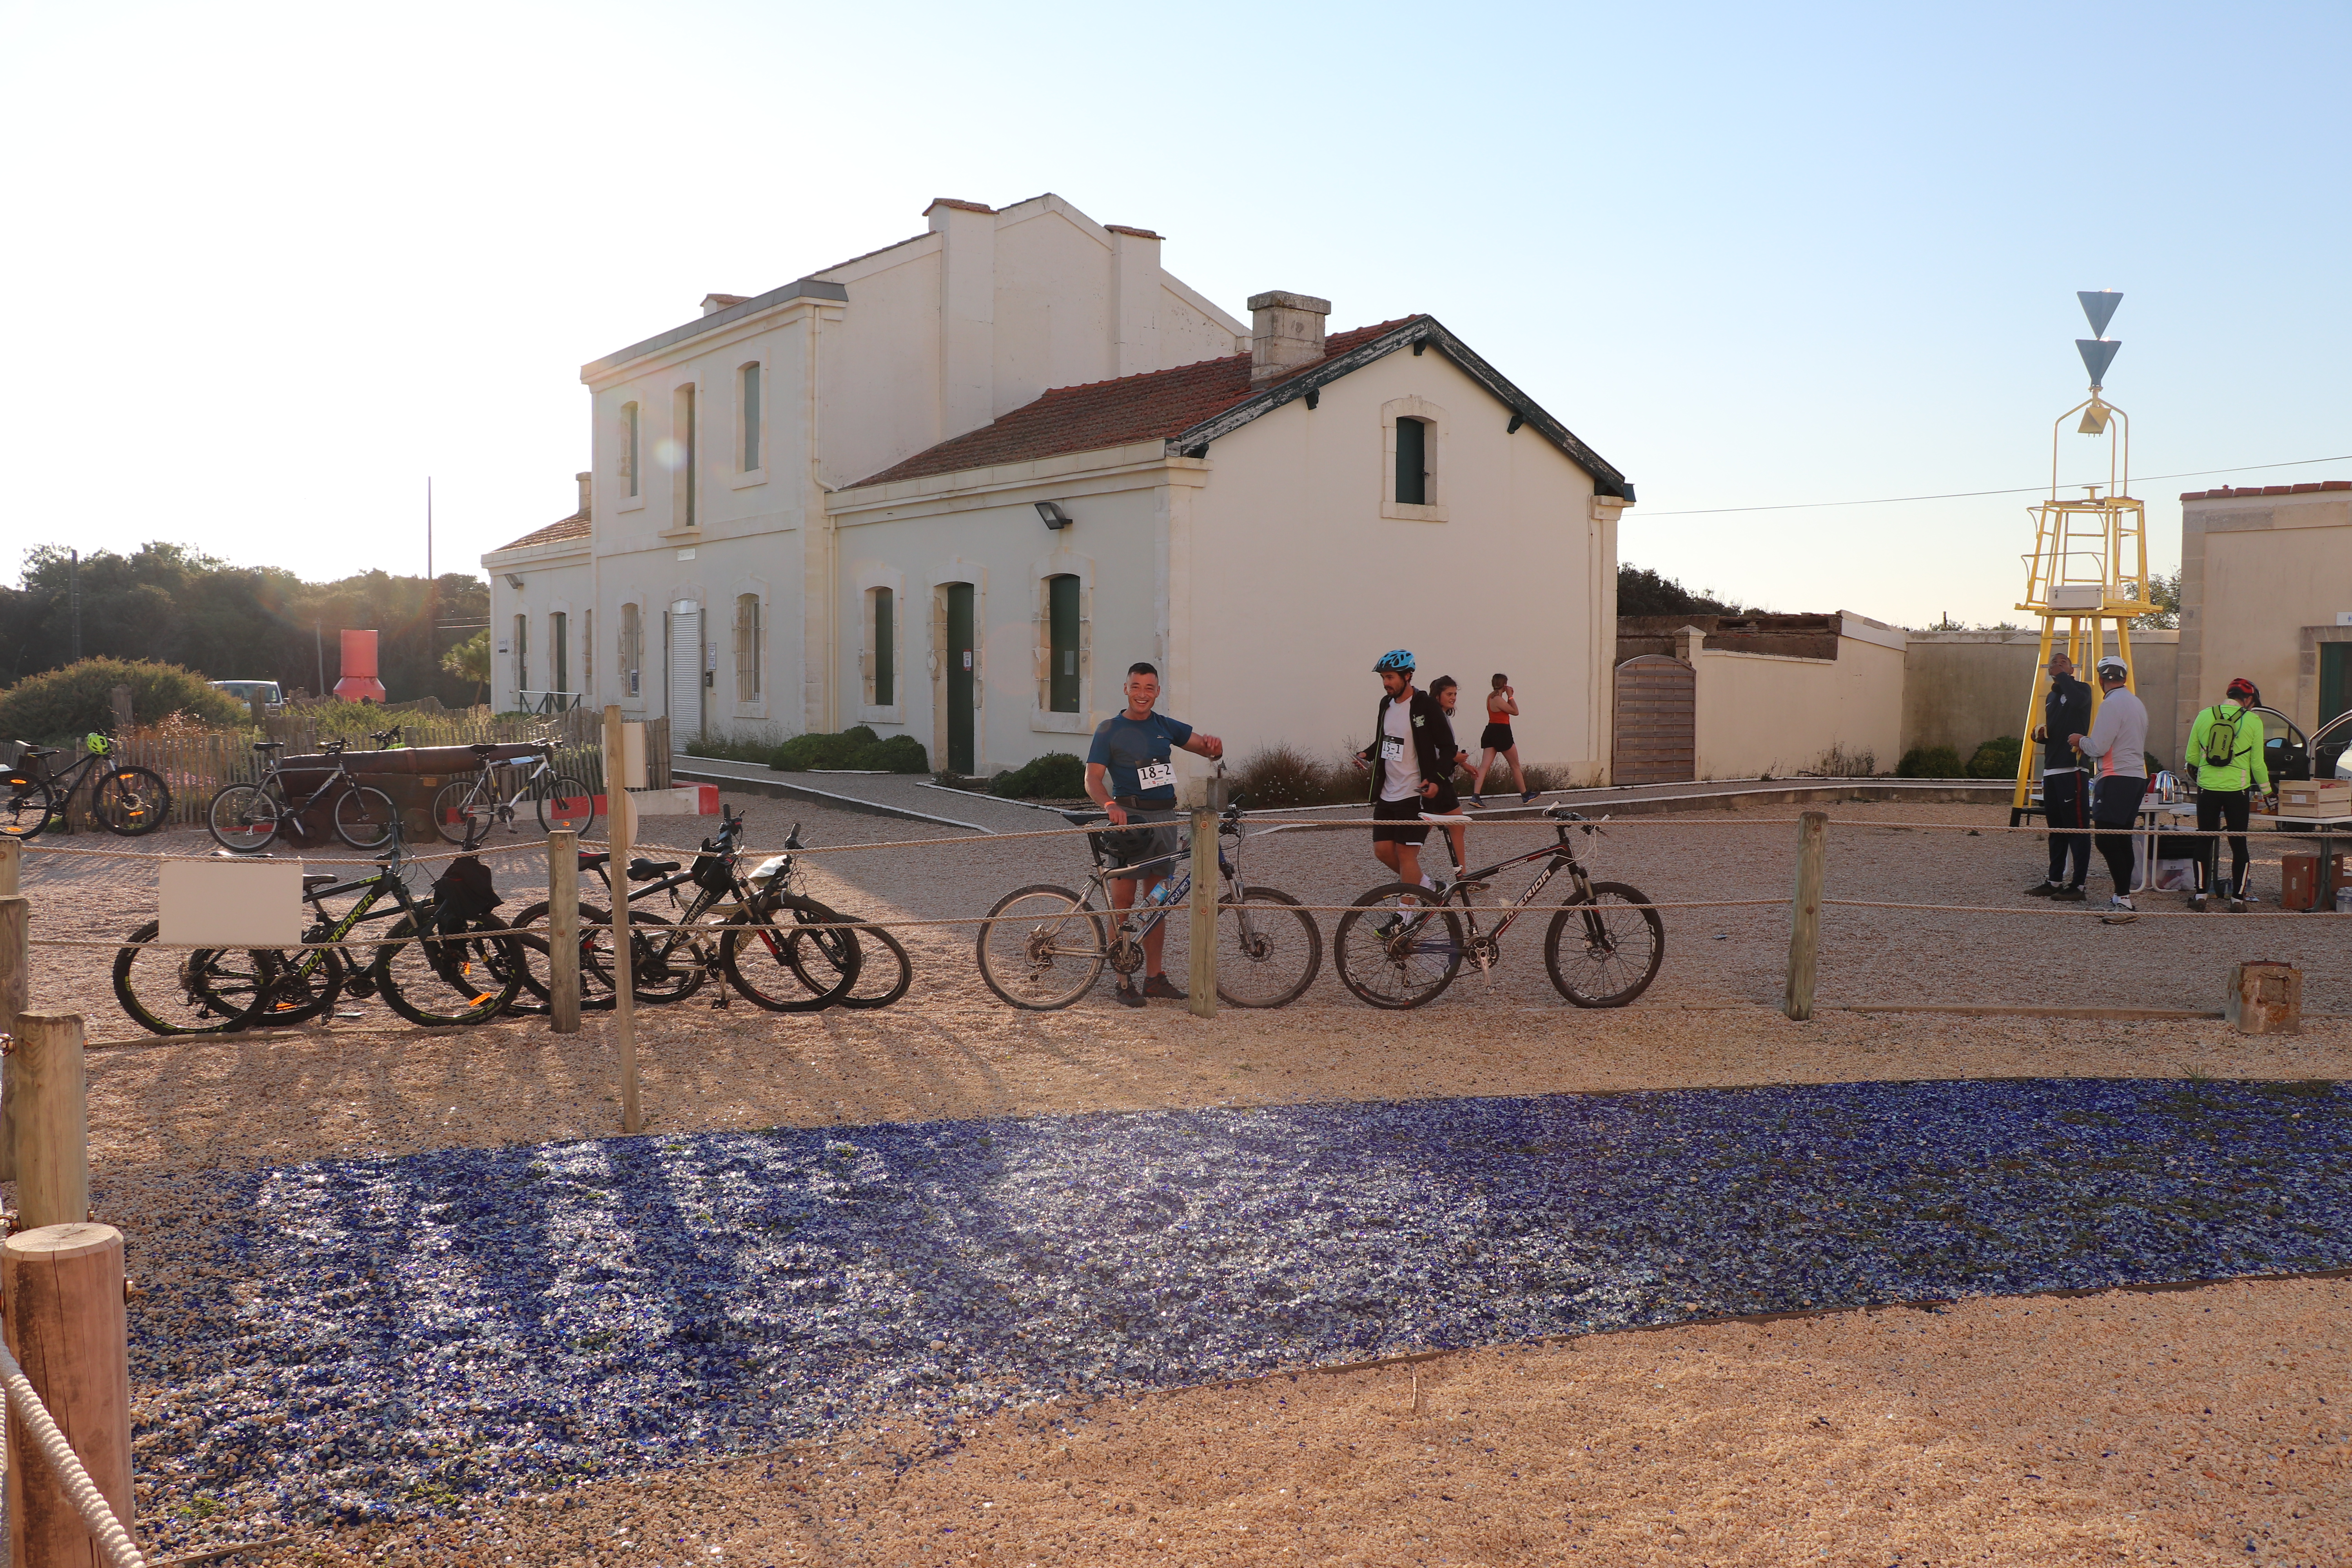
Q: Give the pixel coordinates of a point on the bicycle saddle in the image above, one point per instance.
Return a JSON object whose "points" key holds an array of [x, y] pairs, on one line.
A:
{"points": [[482, 750], [28, 753], [269, 745], [312, 880], [640, 870], [1084, 818]]}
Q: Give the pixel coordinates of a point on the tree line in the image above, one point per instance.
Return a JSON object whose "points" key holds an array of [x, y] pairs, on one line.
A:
{"points": [[177, 605]]}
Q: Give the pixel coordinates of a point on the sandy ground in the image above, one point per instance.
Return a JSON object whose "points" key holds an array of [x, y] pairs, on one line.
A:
{"points": [[2167, 1429]]}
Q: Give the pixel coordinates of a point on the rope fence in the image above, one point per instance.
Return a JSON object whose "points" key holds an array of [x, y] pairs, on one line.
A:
{"points": [[114, 1543]]}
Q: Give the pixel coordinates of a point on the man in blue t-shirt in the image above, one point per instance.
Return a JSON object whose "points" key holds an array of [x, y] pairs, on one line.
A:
{"points": [[1131, 774]]}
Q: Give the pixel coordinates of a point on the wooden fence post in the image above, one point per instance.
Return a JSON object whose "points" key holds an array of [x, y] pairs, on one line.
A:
{"points": [[563, 929], [620, 832], [16, 991], [67, 1327], [51, 1123], [1805, 914], [1202, 995], [12, 866]]}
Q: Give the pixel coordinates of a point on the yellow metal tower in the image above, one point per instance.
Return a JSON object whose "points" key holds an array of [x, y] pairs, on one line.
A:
{"points": [[2089, 564]]}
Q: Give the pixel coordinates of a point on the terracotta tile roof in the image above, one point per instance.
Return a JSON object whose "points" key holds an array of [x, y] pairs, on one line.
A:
{"points": [[572, 527], [2226, 494], [1155, 405]]}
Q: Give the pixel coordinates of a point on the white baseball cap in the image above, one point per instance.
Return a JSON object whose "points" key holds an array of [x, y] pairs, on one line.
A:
{"points": [[2113, 665]]}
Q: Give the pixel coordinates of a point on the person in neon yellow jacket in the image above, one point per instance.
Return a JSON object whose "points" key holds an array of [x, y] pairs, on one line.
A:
{"points": [[2225, 744]]}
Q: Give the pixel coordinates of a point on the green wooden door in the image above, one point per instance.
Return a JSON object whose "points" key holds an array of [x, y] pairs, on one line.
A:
{"points": [[1061, 608], [961, 651], [2335, 680]]}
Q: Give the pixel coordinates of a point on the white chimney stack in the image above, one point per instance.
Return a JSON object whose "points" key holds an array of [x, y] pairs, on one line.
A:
{"points": [[585, 482], [1285, 332]]}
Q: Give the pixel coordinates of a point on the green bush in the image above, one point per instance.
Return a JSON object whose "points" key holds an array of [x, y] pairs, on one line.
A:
{"points": [[1930, 762], [1056, 775], [732, 749], [1996, 759], [856, 747], [63, 705], [1281, 776]]}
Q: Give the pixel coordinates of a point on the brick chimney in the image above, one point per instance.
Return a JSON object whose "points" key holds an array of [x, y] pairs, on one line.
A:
{"points": [[584, 481], [1285, 332]]}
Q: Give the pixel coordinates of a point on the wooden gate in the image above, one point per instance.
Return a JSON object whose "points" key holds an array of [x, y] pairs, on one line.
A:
{"points": [[1657, 722]]}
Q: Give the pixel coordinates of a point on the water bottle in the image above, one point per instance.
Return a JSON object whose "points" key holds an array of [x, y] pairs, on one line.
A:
{"points": [[2344, 899], [1158, 893]]}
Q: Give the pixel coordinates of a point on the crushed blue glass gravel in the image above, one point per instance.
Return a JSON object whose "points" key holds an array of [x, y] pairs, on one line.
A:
{"points": [[396, 1337]]}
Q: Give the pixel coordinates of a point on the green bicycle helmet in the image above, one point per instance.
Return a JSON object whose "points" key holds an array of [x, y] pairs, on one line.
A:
{"points": [[96, 744]]}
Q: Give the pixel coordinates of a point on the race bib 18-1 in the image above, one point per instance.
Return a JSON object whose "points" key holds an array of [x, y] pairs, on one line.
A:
{"points": [[1391, 748], [1155, 775]]}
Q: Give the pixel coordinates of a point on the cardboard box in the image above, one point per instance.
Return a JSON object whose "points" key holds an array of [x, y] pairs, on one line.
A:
{"points": [[2315, 797]]}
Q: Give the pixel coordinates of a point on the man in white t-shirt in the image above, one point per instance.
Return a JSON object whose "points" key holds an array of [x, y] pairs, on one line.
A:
{"points": [[1409, 733], [2117, 745]]}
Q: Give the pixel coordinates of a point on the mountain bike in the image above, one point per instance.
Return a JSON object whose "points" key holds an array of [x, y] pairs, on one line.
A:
{"points": [[1045, 945], [466, 809], [245, 818], [880, 982], [730, 923], [463, 968], [123, 799], [1402, 944]]}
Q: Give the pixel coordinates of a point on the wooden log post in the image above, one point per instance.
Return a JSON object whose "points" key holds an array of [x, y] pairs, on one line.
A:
{"points": [[50, 1122], [12, 866], [67, 1327], [1805, 914], [15, 993], [620, 831], [564, 929], [1201, 995]]}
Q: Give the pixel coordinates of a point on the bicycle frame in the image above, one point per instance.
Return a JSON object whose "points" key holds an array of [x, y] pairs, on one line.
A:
{"points": [[1562, 855], [273, 782], [541, 766]]}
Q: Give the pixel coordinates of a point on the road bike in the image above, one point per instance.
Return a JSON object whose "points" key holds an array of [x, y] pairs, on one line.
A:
{"points": [[1402, 944], [745, 927], [245, 819], [123, 799], [462, 968], [1045, 946], [466, 809]]}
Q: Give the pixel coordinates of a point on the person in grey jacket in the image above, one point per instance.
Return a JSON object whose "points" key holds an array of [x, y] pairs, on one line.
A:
{"points": [[2118, 747]]}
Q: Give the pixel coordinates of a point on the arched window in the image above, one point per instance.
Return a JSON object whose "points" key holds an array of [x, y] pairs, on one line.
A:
{"points": [[559, 627], [628, 474], [747, 403], [1062, 683], [747, 648], [683, 433]]}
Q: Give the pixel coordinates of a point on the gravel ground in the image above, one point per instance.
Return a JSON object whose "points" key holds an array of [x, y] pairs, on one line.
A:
{"points": [[178, 1130], [392, 1336]]}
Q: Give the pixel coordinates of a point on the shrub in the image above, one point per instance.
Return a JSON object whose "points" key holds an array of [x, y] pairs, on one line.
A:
{"points": [[1281, 776], [1996, 759], [1837, 762], [734, 748], [856, 747], [1056, 775], [1930, 762], [62, 705]]}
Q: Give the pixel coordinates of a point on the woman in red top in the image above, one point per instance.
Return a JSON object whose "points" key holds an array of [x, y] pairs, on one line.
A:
{"points": [[1502, 707]]}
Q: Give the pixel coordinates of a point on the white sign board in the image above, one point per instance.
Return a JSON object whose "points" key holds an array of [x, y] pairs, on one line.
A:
{"points": [[633, 753], [233, 904]]}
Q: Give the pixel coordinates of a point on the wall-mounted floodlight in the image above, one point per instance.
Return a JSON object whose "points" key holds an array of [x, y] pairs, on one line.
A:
{"points": [[514, 580], [1053, 514]]}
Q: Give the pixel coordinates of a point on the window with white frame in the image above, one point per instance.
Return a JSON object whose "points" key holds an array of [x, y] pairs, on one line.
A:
{"points": [[684, 438], [1413, 476], [1063, 631], [747, 648], [633, 648]]}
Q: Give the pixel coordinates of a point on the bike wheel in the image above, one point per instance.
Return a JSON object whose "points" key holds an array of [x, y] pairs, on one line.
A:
{"points": [[883, 977], [459, 814], [129, 801], [29, 810], [183, 990], [465, 977], [1269, 949], [757, 957], [1044, 948], [1398, 947], [672, 961], [243, 819], [365, 819], [305, 987], [1605, 952], [566, 803], [595, 954]]}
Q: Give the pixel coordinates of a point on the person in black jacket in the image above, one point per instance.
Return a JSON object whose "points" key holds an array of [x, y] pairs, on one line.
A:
{"points": [[2066, 794], [1409, 733]]}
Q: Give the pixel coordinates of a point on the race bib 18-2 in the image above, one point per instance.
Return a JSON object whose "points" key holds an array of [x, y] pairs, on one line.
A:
{"points": [[1391, 748], [1155, 775]]}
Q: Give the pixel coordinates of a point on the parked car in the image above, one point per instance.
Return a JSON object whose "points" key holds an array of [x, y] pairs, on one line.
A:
{"points": [[272, 700]]}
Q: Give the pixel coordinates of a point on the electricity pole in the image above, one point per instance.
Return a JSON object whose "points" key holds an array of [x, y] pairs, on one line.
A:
{"points": [[73, 599]]}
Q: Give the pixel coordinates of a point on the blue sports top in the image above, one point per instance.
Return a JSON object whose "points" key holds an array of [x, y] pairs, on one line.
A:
{"points": [[1126, 749]]}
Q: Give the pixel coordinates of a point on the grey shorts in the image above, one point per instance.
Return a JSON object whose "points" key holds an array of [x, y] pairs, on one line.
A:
{"points": [[1150, 846]]}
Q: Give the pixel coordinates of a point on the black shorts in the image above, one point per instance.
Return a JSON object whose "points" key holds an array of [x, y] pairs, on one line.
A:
{"points": [[1400, 821], [1497, 737], [1445, 803]]}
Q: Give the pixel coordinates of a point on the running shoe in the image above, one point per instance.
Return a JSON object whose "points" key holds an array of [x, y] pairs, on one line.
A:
{"points": [[2122, 905], [1162, 987], [1127, 995], [2068, 896], [2197, 902], [1479, 800], [1528, 796], [2044, 889]]}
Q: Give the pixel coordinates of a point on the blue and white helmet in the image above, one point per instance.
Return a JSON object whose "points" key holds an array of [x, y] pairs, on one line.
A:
{"points": [[1397, 660]]}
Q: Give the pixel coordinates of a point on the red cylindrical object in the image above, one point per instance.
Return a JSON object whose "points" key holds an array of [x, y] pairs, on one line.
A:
{"points": [[359, 678]]}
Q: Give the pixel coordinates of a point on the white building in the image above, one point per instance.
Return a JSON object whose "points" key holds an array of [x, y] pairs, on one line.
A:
{"points": [[843, 503]]}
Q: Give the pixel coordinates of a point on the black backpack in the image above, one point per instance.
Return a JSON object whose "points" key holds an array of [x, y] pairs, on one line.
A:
{"points": [[463, 893]]}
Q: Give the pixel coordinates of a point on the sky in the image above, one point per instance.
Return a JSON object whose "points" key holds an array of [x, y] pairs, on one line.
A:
{"points": [[270, 266]]}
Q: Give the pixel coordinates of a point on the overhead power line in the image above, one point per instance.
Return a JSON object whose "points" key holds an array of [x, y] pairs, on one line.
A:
{"points": [[1969, 495]]}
